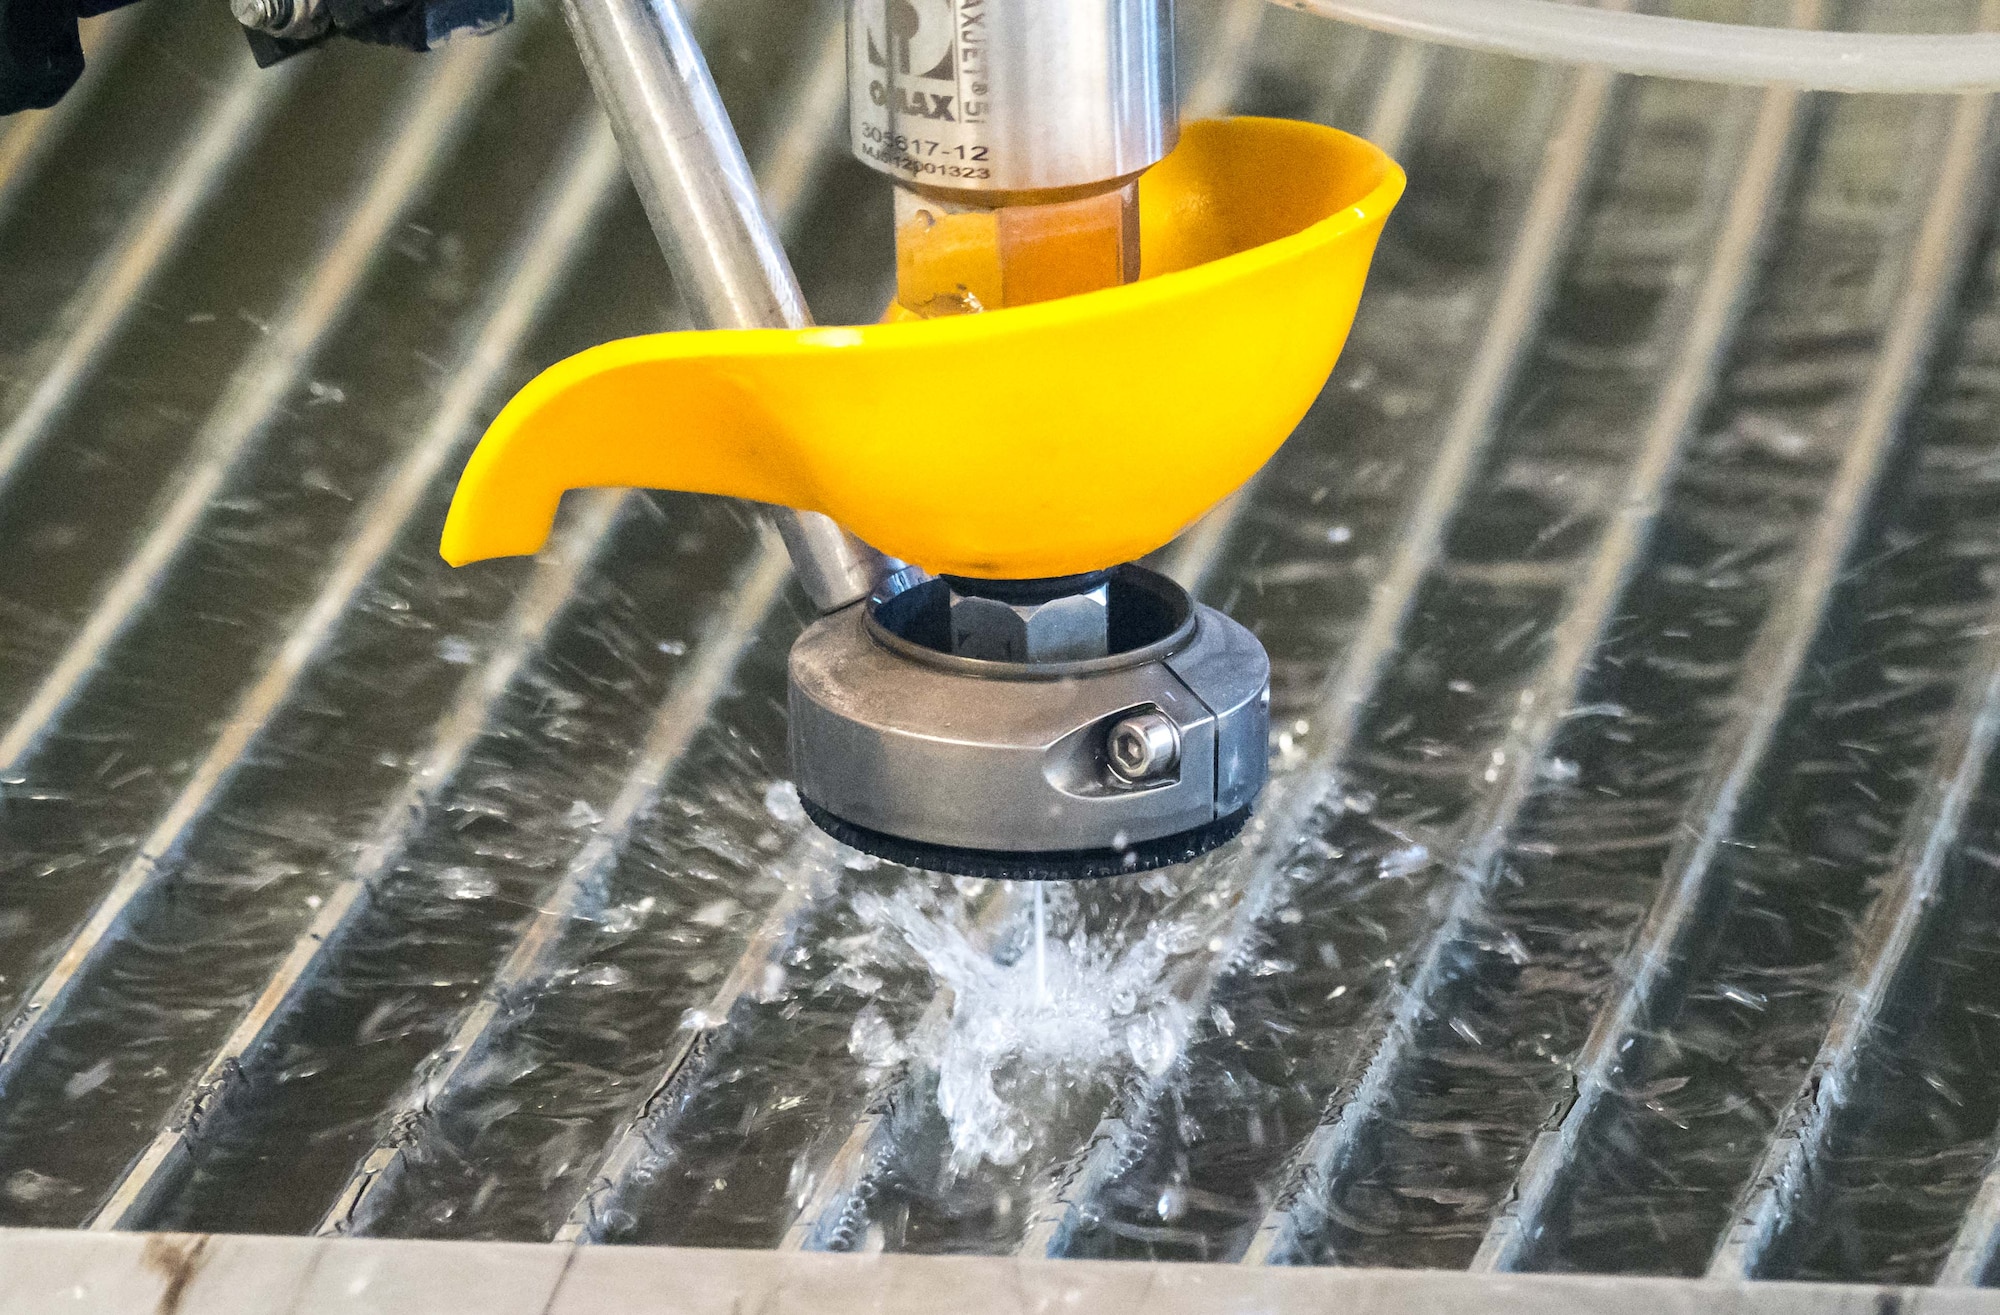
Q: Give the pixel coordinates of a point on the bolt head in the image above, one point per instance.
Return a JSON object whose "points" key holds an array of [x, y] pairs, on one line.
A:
{"points": [[1143, 747], [264, 15]]}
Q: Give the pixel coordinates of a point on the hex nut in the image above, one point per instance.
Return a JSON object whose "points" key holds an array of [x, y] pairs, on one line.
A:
{"points": [[1065, 629]]}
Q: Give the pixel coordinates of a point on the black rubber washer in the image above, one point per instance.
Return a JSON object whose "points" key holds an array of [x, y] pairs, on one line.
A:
{"points": [[1048, 865]]}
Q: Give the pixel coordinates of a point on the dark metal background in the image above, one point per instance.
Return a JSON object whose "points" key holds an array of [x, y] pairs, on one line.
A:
{"points": [[1625, 900]]}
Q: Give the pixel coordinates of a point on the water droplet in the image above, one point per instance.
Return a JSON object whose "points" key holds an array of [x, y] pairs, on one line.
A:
{"points": [[460, 883], [89, 1080], [603, 974], [1744, 996], [872, 1041], [1152, 1043], [619, 919], [25, 1187], [715, 913], [781, 801], [1403, 862]]}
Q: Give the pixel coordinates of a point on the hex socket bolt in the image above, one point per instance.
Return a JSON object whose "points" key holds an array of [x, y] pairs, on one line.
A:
{"points": [[295, 19], [1143, 747]]}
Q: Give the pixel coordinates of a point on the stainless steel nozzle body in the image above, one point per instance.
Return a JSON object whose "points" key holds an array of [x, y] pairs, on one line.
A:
{"points": [[1012, 95]]}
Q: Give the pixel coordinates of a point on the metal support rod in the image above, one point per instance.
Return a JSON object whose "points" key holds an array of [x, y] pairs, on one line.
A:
{"points": [[566, 222], [789, 165], [1788, 1170], [701, 197]]}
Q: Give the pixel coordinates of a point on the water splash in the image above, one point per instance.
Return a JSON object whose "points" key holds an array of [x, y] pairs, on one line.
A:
{"points": [[1043, 1013]]}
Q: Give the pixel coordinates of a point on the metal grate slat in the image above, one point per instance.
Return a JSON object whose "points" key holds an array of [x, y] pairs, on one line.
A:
{"points": [[796, 159], [534, 957], [645, 1138], [1970, 1260], [1232, 43], [1782, 1179], [1786, 1181], [189, 182], [1358, 1112], [812, 136], [1525, 289], [564, 223], [441, 105], [834, 1214], [1771, 671]]}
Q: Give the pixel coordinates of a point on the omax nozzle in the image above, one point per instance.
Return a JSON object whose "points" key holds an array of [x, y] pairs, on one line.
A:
{"points": [[1098, 335]]}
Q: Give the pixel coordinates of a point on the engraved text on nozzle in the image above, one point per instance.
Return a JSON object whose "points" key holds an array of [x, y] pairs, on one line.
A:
{"points": [[1011, 95]]}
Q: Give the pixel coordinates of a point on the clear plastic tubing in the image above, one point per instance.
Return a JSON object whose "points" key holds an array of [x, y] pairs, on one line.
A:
{"points": [[1685, 48]]}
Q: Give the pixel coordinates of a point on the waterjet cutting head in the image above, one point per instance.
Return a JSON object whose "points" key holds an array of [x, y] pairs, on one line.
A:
{"points": [[1076, 315], [930, 728]]}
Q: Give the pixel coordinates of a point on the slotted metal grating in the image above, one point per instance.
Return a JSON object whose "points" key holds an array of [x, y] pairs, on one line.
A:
{"points": [[1623, 900]]}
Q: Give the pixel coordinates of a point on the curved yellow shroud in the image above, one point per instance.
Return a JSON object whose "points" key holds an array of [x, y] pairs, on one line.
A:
{"points": [[1035, 441]]}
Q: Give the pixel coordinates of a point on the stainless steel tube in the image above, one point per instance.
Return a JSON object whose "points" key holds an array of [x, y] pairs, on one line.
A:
{"points": [[688, 167], [1016, 96]]}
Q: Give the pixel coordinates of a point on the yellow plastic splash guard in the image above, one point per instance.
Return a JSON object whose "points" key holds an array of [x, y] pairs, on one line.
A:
{"points": [[1035, 441]]}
